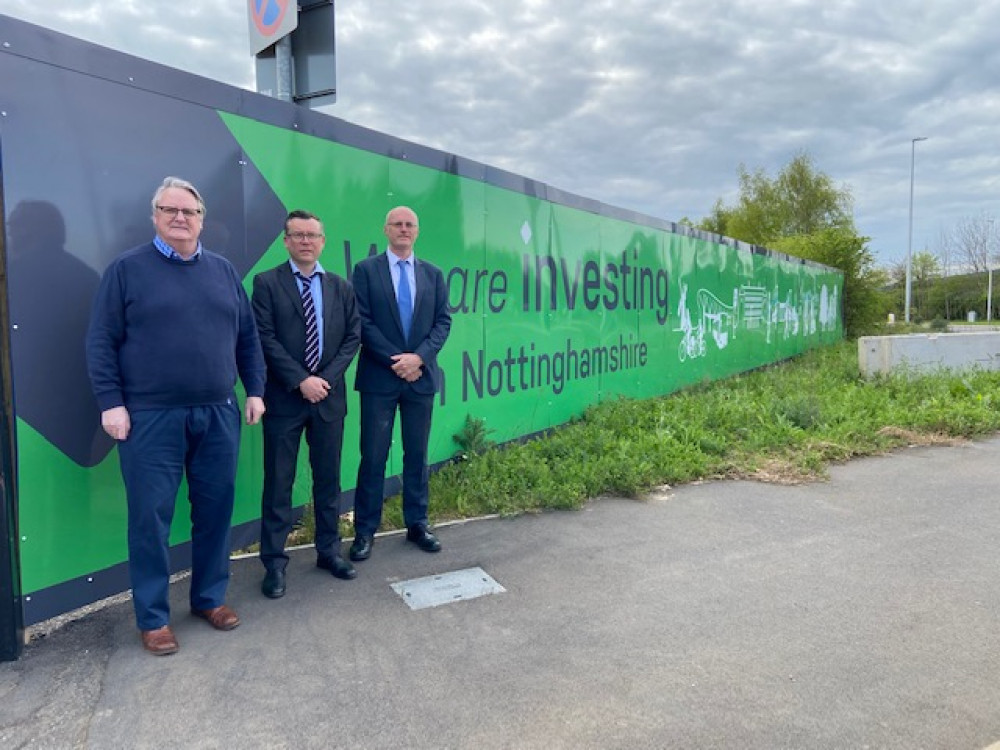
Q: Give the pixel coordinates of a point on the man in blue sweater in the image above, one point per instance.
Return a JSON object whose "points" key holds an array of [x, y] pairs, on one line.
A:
{"points": [[170, 331]]}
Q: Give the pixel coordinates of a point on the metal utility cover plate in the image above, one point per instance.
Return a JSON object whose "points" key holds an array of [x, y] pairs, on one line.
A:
{"points": [[459, 585]]}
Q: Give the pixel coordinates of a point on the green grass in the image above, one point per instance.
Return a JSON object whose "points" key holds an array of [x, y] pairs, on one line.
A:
{"points": [[785, 423]]}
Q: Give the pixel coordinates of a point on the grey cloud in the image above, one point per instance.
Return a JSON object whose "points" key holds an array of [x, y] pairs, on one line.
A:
{"points": [[651, 105]]}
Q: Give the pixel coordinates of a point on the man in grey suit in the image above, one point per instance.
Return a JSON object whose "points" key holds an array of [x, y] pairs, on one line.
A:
{"points": [[309, 330], [403, 304]]}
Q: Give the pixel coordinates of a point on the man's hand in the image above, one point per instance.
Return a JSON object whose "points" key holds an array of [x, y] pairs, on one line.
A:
{"points": [[254, 409], [314, 389], [116, 422], [408, 366]]}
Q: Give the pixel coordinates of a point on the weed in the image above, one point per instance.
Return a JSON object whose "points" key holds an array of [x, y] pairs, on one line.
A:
{"points": [[472, 439], [785, 424]]}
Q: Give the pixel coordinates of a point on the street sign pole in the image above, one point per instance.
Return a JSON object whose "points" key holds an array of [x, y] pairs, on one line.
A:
{"points": [[295, 50], [270, 24], [284, 80]]}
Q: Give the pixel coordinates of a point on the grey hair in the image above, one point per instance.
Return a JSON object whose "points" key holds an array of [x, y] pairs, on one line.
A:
{"points": [[177, 182], [405, 208]]}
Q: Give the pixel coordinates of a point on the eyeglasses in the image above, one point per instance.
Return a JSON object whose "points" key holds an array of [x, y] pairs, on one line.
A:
{"points": [[401, 224], [302, 236], [172, 211]]}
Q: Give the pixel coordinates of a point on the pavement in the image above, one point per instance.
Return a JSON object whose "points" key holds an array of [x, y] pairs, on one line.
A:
{"points": [[861, 612]]}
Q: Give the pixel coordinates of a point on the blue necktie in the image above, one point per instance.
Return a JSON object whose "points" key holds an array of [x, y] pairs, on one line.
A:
{"points": [[404, 299], [312, 330]]}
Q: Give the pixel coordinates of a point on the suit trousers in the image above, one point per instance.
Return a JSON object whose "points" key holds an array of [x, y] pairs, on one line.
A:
{"points": [[378, 415], [164, 445], [282, 437]]}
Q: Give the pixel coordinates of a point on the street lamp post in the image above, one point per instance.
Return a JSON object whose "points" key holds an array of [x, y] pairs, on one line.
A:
{"points": [[989, 275], [909, 242], [989, 295]]}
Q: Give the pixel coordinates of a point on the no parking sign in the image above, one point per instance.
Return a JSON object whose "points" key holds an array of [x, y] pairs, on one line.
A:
{"points": [[270, 20]]}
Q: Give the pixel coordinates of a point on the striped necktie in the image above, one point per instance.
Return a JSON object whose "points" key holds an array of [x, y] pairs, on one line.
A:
{"points": [[312, 330]]}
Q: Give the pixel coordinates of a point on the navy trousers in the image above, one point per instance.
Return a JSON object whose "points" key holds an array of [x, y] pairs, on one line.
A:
{"points": [[378, 415], [164, 445]]}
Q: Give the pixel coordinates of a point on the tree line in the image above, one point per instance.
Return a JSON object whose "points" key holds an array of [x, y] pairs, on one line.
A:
{"points": [[952, 281], [802, 212]]}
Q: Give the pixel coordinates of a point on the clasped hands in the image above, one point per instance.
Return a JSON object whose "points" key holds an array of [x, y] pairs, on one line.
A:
{"points": [[408, 366], [314, 389]]}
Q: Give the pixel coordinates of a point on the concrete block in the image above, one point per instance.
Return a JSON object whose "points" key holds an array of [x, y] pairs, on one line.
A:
{"points": [[927, 352]]}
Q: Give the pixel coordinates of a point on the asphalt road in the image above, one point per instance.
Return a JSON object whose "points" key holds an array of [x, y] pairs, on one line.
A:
{"points": [[856, 613]]}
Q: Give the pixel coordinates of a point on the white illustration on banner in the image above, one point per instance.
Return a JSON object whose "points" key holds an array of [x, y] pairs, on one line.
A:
{"points": [[754, 310]]}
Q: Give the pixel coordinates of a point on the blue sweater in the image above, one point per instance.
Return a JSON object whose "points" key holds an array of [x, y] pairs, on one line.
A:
{"points": [[167, 333]]}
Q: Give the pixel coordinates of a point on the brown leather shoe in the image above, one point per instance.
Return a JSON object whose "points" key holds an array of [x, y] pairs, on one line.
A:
{"points": [[220, 618], [160, 642]]}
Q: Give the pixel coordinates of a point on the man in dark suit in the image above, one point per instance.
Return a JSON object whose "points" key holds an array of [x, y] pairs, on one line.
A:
{"points": [[403, 303], [309, 331]]}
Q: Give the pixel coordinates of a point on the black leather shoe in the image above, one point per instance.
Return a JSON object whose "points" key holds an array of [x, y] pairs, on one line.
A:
{"points": [[421, 536], [362, 548], [273, 585], [338, 566]]}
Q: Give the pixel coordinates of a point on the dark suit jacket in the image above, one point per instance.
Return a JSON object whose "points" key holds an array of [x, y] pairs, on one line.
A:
{"points": [[281, 322], [382, 330]]}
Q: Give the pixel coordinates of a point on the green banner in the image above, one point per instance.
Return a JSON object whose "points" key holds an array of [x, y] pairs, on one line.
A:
{"points": [[557, 303]]}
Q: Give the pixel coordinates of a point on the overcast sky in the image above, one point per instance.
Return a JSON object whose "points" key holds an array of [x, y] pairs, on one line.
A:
{"points": [[651, 105]]}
